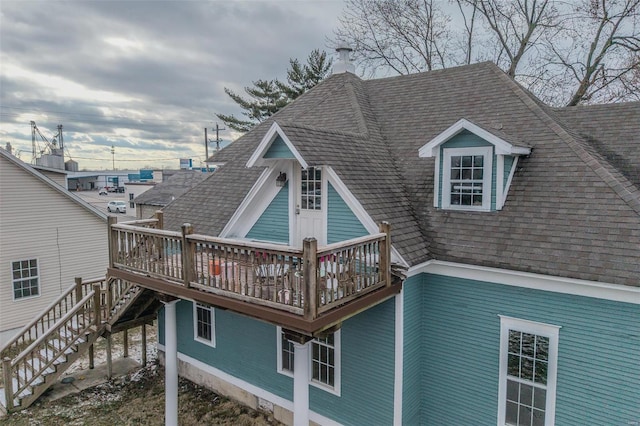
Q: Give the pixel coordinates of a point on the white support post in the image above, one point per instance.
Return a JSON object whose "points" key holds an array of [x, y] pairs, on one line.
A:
{"points": [[301, 384], [171, 365]]}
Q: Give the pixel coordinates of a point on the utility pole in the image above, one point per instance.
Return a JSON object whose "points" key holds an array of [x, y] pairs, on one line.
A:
{"points": [[218, 136], [206, 142], [206, 146], [113, 157]]}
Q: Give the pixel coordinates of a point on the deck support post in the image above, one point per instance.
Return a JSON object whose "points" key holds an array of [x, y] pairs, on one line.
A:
{"points": [[79, 295], [188, 256], [159, 217], [91, 358], [385, 254], [113, 250], [170, 365], [125, 342], [301, 383], [309, 271], [109, 363], [144, 344], [8, 388]]}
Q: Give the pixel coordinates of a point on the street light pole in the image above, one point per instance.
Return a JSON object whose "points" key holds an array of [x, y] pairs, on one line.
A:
{"points": [[113, 157]]}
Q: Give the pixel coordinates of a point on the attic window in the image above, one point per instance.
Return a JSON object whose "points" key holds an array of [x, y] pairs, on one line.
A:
{"points": [[473, 167], [467, 178]]}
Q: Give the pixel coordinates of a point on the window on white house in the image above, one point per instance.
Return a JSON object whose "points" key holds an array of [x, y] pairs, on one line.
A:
{"points": [[26, 282], [204, 324], [466, 178], [311, 189], [324, 359], [528, 365]]}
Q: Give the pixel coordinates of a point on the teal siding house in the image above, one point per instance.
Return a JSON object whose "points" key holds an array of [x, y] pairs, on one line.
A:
{"points": [[513, 289]]}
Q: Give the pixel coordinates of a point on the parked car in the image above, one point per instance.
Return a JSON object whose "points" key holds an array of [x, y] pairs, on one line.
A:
{"points": [[103, 192], [117, 206]]}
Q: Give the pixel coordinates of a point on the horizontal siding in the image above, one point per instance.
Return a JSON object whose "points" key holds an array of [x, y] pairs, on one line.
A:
{"points": [[342, 223], [39, 222], [599, 352], [273, 224], [368, 357], [246, 349], [278, 149]]}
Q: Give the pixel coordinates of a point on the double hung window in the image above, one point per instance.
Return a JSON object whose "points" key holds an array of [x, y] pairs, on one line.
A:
{"points": [[324, 359], [467, 178], [528, 362]]}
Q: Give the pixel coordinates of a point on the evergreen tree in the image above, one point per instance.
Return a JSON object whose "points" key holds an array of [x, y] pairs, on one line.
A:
{"points": [[266, 97], [301, 78]]}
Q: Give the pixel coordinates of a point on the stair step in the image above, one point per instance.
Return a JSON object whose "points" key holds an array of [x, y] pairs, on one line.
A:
{"points": [[47, 354], [27, 374], [37, 364]]}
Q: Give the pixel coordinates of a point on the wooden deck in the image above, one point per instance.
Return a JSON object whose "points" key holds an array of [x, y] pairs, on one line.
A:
{"points": [[306, 290]]}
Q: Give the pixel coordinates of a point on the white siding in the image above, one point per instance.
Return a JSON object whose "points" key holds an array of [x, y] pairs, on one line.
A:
{"points": [[37, 221]]}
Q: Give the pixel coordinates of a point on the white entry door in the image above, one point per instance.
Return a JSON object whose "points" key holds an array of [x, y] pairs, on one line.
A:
{"points": [[310, 206]]}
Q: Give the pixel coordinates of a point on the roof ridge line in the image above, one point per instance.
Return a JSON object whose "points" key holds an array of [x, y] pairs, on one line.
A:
{"points": [[285, 123], [353, 98], [51, 183], [619, 184]]}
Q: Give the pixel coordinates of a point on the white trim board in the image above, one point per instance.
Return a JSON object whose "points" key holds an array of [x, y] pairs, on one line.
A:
{"points": [[501, 146], [605, 291], [359, 211], [265, 143], [253, 389], [399, 361]]}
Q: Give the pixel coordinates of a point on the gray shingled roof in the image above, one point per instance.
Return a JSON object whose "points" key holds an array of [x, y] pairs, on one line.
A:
{"points": [[573, 208], [176, 185]]}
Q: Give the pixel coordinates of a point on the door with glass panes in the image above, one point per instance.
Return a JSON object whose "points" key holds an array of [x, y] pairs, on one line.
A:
{"points": [[310, 205]]}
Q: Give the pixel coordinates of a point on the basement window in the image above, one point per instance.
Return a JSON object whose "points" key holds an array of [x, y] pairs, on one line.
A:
{"points": [[204, 324]]}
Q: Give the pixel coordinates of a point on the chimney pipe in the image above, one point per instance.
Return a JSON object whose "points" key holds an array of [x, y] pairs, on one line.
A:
{"points": [[344, 64]]}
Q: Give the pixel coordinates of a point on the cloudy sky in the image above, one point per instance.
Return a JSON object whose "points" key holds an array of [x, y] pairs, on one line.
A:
{"points": [[144, 76]]}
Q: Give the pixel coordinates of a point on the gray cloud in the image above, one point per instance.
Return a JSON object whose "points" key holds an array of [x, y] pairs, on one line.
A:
{"points": [[143, 75]]}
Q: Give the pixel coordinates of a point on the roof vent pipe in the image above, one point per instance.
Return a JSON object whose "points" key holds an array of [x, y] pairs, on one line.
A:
{"points": [[344, 64]]}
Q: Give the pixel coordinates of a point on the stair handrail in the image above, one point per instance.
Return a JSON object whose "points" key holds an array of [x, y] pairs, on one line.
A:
{"points": [[9, 391], [26, 329], [112, 298]]}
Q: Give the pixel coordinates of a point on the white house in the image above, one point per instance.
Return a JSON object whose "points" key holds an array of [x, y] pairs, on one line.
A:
{"points": [[48, 236]]}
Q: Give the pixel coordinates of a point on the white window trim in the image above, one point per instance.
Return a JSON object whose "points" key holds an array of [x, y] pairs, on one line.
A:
{"points": [[13, 292], [487, 152], [336, 389], [540, 329], [197, 338], [279, 341]]}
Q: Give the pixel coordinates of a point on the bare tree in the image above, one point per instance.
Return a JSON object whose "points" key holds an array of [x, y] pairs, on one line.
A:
{"points": [[600, 57], [516, 25], [406, 36], [565, 52]]}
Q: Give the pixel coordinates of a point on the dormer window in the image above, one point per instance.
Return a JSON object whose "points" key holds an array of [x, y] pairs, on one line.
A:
{"points": [[473, 167], [467, 178]]}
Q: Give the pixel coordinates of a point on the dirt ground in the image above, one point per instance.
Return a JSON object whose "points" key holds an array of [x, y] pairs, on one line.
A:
{"points": [[136, 399]]}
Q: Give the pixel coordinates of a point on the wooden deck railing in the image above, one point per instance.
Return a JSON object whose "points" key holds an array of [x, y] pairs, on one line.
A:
{"points": [[307, 281]]}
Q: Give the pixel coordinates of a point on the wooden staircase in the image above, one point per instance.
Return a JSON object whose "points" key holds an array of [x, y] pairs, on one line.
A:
{"points": [[34, 359]]}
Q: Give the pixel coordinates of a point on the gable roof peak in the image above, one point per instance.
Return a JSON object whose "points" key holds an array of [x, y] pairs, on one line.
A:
{"points": [[502, 146]]}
